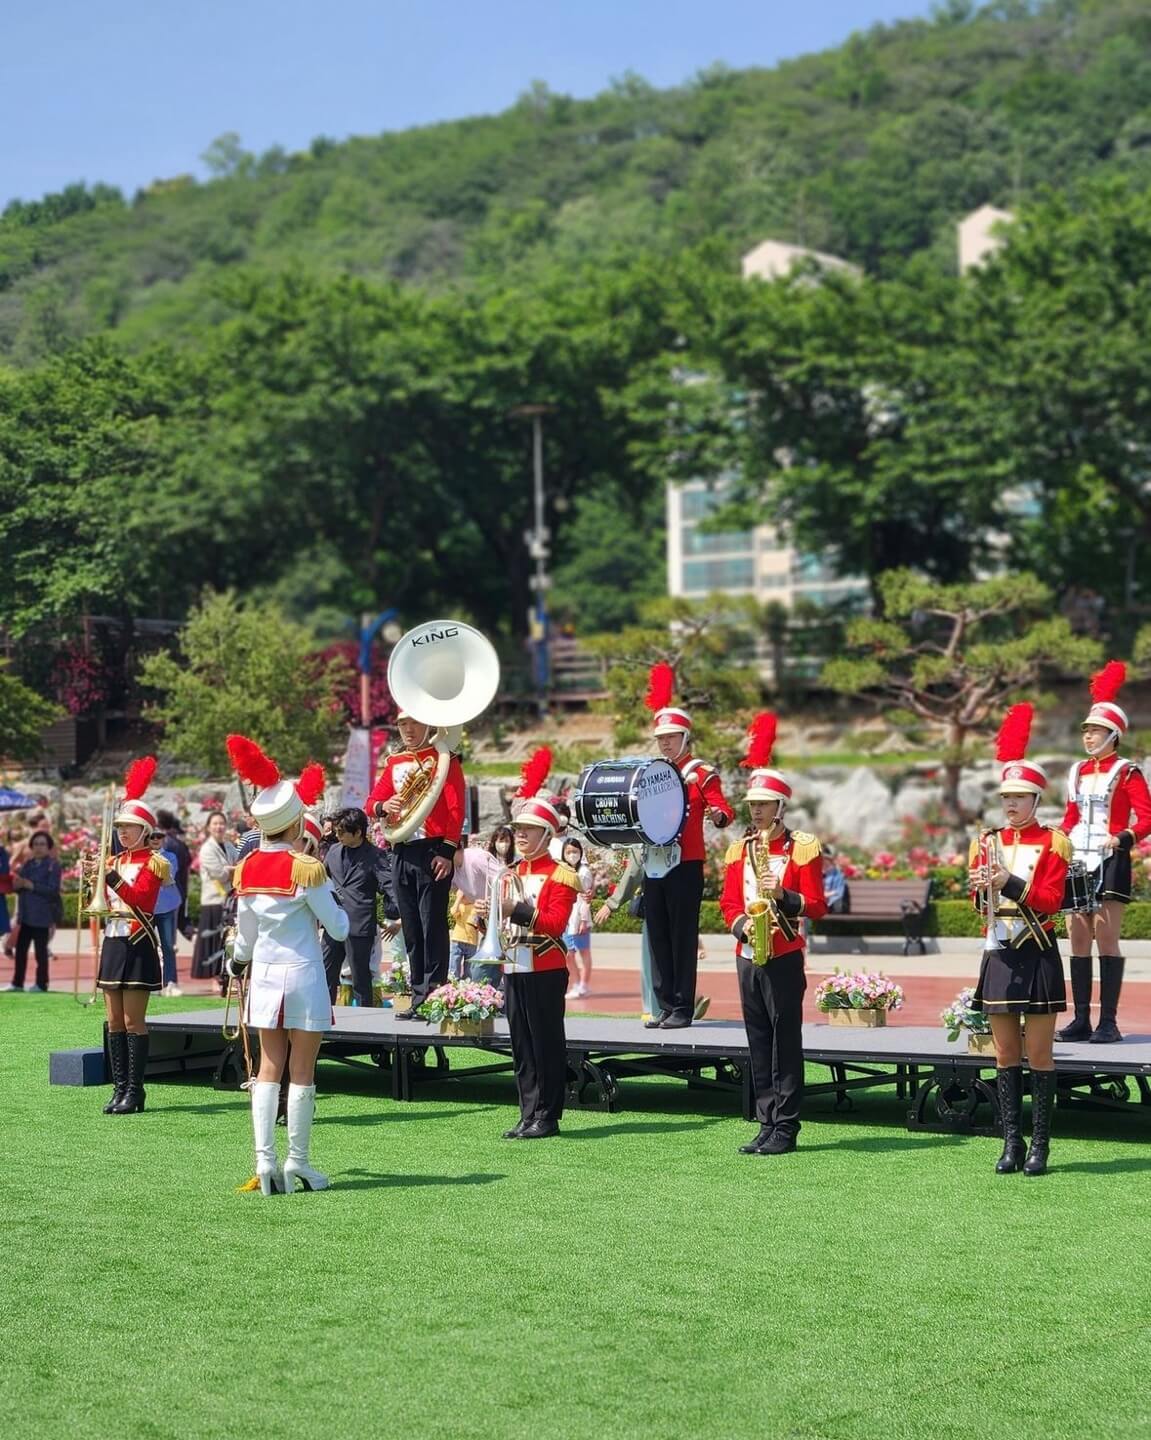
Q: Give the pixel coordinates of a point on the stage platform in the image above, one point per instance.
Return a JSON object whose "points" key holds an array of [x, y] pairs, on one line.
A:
{"points": [[948, 1088]]}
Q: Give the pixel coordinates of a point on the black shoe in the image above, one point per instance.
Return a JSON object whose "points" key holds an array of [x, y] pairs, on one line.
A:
{"points": [[409, 1015], [1105, 1033], [1009, 1082], [656, 1021], [539, 1130], [516, 1131], [779, 1142], [756, 1144], [1042, 1101], [118, 1062], [1079, 1029], [677, 1020], [134, 1095]]}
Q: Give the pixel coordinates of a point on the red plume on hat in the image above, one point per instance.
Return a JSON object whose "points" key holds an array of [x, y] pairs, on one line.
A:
{"points": [[250, 763], [760, 741], [1107, 683], [310, 785], [534, 772], [138, 777], [1014, 734], [660, 686]]}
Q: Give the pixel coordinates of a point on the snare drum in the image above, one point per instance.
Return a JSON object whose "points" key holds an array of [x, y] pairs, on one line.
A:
{"points": [[630, 802], [1081, 893]]}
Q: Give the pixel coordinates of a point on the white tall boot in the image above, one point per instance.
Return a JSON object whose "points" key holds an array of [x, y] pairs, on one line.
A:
{"points": [[301, 1108], [265, 1102]]}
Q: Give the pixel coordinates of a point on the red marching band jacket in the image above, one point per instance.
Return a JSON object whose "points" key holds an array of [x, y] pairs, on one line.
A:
{"points": [[550, 891], [445, 821], [276, 872], [1129, 797], [796, 859], [1037, 857], [137, 879], [704, 791]]}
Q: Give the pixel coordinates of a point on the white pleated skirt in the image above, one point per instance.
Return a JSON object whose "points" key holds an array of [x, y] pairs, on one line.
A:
{"points": [[292, 996]]}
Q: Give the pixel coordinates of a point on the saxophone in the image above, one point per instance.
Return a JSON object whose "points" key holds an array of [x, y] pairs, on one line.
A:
{"points": [[764, 914]]}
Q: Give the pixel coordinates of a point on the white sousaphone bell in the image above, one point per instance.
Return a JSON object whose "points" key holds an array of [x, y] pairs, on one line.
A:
{"points": [[442, 673]]}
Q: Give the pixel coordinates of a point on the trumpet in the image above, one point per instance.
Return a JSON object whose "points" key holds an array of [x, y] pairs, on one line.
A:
{"points": [[97, 905], [989, 858]]}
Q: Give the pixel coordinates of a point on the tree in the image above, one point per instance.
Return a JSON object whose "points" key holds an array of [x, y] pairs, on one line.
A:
{"points": [[24, 716], [613, 562], [244, 668], [948, 659]]}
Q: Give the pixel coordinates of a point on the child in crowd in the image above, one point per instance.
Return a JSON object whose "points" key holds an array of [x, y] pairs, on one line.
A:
{"points": [[578, 937]]}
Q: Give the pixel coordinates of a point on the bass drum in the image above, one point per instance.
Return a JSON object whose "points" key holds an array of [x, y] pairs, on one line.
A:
{"points": [[630, 802]]}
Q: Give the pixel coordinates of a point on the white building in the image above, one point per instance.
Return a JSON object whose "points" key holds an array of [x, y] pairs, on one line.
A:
{"points": [[978, 235]]}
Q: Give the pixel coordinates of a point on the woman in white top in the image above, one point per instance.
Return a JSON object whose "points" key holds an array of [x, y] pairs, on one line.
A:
{"points": [[217, 861], [281, 894]]}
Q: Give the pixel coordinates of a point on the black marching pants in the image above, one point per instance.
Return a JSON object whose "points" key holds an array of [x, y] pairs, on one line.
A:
{"points": [[671, 913], [358, 950], [534, 1004], [772, 999], [423, 906]]}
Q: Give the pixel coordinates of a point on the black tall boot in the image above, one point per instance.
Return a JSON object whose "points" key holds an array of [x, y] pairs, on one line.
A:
{"points": [[1042, 1101], [1010, 1082], [118, 1061], [1110, 984], [137, 1063], [1080, 1027]]}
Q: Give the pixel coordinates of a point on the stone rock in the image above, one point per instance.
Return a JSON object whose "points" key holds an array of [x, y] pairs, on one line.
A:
{"points": [[858, 810]]}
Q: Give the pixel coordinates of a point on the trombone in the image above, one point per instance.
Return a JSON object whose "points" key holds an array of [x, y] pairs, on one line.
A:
{"points": [[96, 906]]}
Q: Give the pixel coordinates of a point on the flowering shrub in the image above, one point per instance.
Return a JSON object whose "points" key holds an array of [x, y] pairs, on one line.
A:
{"points": [[463, 1000], [959, 1016], [865, 990]]}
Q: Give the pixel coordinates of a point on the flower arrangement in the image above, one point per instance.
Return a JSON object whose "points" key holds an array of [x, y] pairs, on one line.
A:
{"points": [[463, 1007], [959, 1016], [863, 990], [398, 980]]}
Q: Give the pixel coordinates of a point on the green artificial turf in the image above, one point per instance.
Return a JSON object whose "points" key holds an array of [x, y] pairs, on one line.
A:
{"points": [[636, 1277]]}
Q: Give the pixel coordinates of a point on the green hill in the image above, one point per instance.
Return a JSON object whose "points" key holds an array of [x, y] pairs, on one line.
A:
{"points": [[870, 151]]}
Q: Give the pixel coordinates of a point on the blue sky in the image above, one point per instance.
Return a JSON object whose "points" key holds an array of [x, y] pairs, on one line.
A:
{"points": [[130, 90]]}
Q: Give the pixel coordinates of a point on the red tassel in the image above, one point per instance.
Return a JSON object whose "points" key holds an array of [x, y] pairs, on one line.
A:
{"points": [[535, 771], [1014, 733], [660, 686], [760, 741], [138, 777], [250, 763], [1107, 683], [310, 785]]}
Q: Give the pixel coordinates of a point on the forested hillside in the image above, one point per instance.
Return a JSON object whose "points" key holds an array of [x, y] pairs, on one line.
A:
{"points": [[870, 151]]}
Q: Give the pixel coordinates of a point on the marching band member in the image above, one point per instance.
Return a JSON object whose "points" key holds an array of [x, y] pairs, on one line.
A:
{"points": [[422, 864], [772, 881], [281, 894], [1018, 874], [1108, 812], [129, 956], [535, 970], [673, 888]]}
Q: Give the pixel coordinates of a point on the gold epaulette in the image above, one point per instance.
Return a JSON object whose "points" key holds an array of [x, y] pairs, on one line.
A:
{"points": [[565, 875], [1060, 844], [159, 866], [307, 871], [734, 852], [804, 847], [238, 871]]}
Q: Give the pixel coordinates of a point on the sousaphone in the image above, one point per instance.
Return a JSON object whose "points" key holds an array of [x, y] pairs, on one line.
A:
{"points": [[443, 674]]}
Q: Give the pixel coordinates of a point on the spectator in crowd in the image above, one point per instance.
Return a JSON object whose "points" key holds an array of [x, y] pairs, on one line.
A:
{"points": [[327, 835], [175, 847], [464, 935], [360, 874], [166, 913], [578, 937], [38, 886], [218, 859], [248, 838], [834, 883], [501, 844], [559, 839], [20, 850], [6, 888]]}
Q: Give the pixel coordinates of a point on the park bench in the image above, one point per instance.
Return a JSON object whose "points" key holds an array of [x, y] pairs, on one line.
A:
{"points": [[904, 901]]}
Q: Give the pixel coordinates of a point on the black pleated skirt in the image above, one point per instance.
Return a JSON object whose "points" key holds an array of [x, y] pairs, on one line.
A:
{"points": [[129, 964], [1023, 981], [1115, 882]]}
